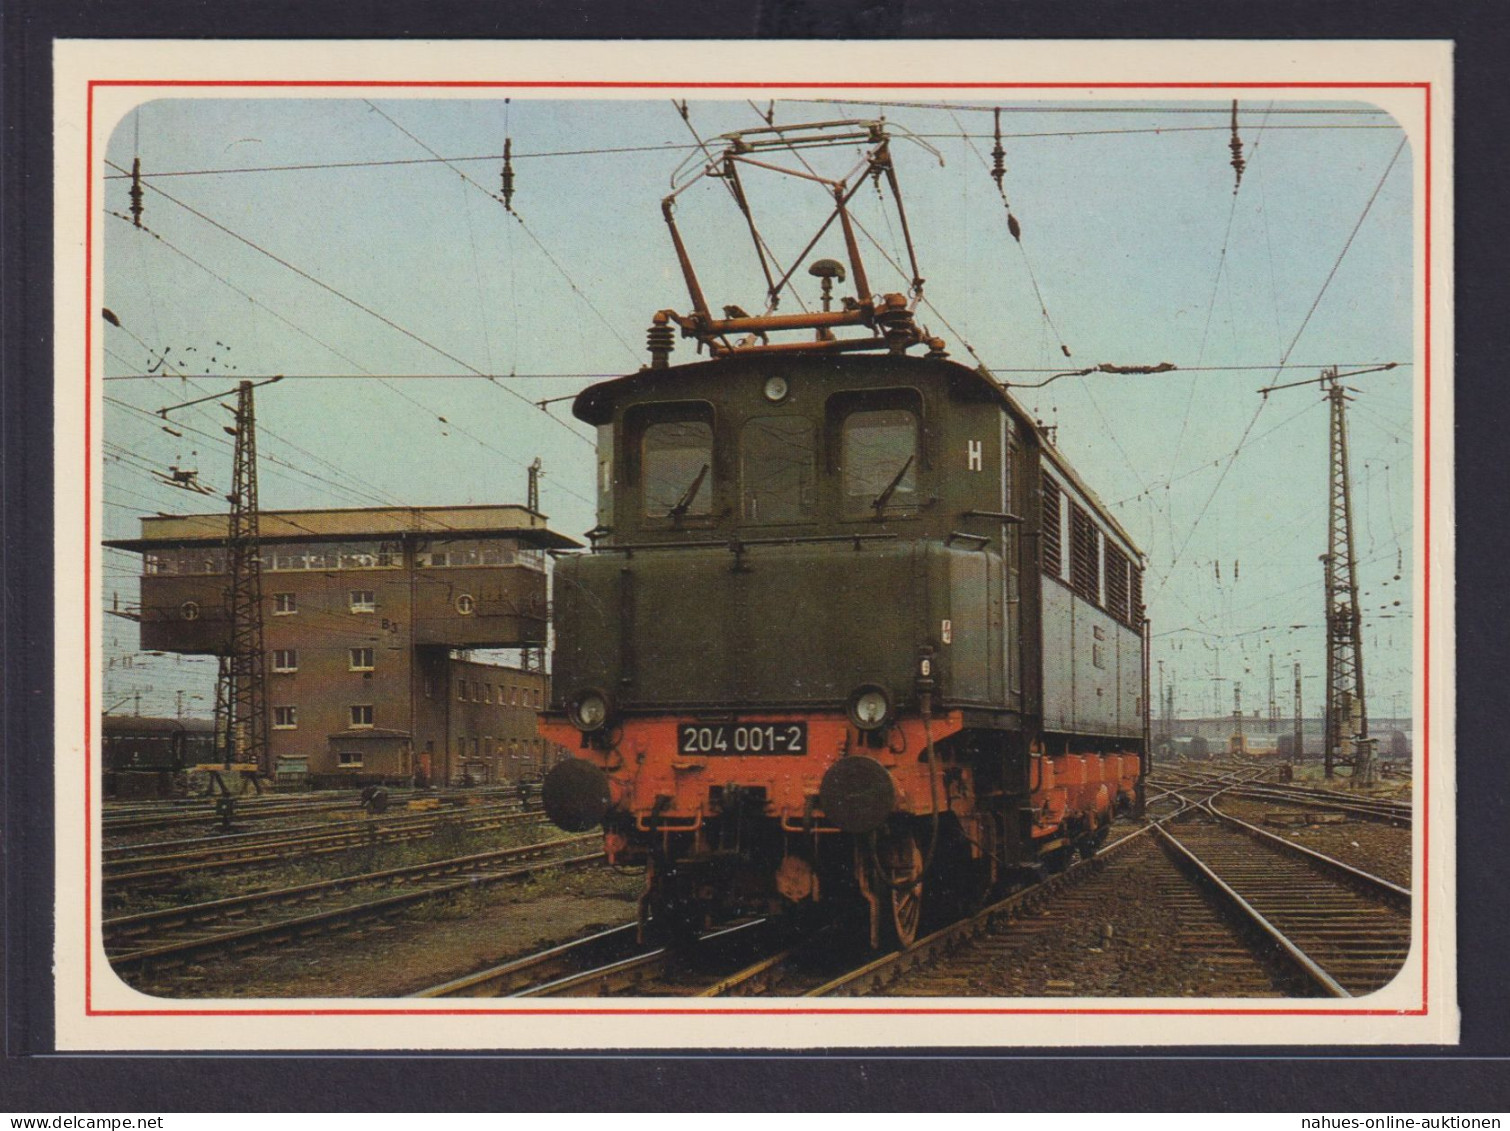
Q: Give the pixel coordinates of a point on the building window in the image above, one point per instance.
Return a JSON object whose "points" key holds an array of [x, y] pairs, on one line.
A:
{"points": [[466, 605], [361, 715], [429, 687], [350, 760], [363, 601], [285, 718], [461, 689], [362, 659], [189, 610], [284, 604], [487, 693], [538, 703], [286, 660]]}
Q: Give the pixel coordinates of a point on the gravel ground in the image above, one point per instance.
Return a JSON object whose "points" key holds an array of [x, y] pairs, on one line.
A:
{"points": [[1367, 845], [429, 945], [1138, 929]]}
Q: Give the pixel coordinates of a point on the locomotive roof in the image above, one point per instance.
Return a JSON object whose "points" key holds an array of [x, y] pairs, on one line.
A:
{"points": [[594, 404]]}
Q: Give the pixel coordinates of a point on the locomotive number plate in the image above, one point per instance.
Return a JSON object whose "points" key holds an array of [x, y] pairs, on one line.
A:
{"points": [[742, 738]]}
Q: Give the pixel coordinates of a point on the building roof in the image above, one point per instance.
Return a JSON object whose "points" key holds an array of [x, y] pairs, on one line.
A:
{"points": [[354, 525]]}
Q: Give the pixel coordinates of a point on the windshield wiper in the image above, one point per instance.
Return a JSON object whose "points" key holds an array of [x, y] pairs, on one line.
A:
{"points": [[884, 497], [685, 502]]}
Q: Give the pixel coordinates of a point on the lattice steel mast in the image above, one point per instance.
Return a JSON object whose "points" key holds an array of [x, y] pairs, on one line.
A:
{"points": [[241, 735], [1346, 725]]}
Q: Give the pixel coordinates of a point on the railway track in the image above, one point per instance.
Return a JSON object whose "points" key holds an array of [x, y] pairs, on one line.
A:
{"points": [[120, 820], [744, 959], [1279, 921], [1244, 914], [142, 864], [157, 940], [1347, 932], [1384, 810]]}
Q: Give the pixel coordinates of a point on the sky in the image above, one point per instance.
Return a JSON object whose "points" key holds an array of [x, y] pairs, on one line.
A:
{"points": [[358, 247]]}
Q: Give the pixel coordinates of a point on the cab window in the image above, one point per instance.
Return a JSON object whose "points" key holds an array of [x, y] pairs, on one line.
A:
{"points": [[677, 462], [778, 469], [879, 468]]}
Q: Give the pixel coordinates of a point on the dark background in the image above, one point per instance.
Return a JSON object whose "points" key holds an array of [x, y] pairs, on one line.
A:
{"points": [[1471, 1077]]}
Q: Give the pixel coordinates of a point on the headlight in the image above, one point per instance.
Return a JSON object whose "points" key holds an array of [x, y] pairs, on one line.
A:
{"points": [[589, 710], [869, 707]]}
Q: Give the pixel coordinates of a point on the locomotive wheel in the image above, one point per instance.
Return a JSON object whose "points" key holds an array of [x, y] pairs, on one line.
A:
{"points": [[901, 865]]}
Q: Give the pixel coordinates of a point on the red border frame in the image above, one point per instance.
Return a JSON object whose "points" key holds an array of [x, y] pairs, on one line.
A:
{"points": [[453, 85]]}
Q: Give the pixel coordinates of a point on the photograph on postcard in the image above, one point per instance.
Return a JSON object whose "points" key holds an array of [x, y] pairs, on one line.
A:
{"points": [[954, 544]]}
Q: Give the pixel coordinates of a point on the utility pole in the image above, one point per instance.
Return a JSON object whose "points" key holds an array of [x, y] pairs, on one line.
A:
{"points": [[241, 691], [1216, 689], [534, 492], [1273, 700], [533, 659], [241, 725], [1299, 725], [1239, 745], [1345, 720], [1346, 710]]}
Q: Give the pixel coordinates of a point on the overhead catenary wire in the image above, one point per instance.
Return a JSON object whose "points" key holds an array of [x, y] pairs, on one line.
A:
{"points": [[383, 318], [554, 262], [366, 374], [1015, 231], [1316, 302], [1075, 107]]}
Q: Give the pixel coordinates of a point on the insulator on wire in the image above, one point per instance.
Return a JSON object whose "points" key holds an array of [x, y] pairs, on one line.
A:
{"points": [[1014, 227], [998, 155], [1236, 145], [136, 191], [508, 173]]}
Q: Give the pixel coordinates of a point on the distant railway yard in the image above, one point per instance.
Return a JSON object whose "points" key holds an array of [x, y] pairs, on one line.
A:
{"points": [[1233, 886]]}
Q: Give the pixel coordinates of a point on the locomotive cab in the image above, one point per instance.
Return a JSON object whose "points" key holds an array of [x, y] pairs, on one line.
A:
{"points": [[803, 661]]}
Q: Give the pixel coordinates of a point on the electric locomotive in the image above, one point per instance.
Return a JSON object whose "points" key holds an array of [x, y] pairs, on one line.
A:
{"points": [[851, 633]]}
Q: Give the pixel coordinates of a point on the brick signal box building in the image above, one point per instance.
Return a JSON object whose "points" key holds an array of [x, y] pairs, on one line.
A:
{"points": [[364, 612]]}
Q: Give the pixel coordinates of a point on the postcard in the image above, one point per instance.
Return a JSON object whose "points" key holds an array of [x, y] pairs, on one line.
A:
{"points": [[754, 545]]}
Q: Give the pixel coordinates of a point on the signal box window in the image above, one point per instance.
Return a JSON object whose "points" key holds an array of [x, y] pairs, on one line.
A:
{"points": [[677, 468], [363, 601], [361, 715], [778, 469], [362, 659], [880, 462], [349, 760], [284, 604]]}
